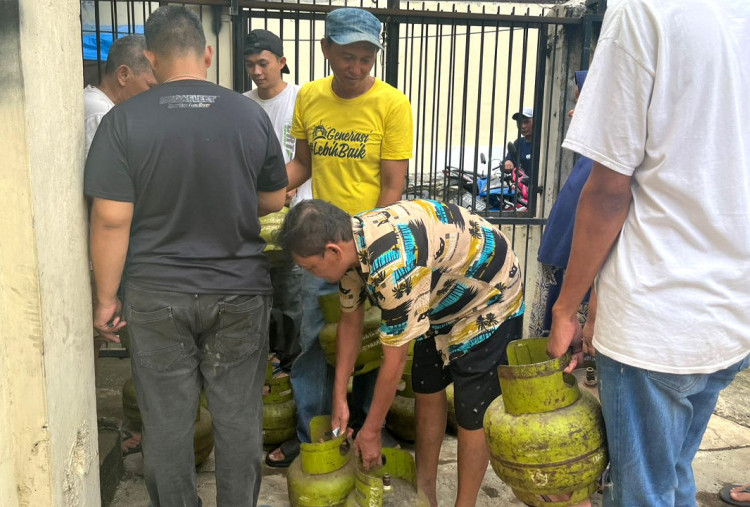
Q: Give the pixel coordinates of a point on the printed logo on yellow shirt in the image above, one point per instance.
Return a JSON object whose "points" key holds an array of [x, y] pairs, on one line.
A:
{"points": [[331, 142]]}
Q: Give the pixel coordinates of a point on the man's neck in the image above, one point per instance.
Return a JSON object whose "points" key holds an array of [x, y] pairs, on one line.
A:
{"points": [[351, 92], [269, 93], [181, 70], [110, 89]]}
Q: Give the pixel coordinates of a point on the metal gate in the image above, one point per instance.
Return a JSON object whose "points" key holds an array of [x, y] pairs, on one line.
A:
{"points": [[465, 66]]}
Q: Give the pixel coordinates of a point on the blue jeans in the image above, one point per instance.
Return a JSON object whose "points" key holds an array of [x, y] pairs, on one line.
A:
{"points": [[180, 343], [655, 423], [312, 378]]}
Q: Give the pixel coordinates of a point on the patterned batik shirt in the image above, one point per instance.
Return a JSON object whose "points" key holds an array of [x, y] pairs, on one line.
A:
{"points": [[435, 270]]}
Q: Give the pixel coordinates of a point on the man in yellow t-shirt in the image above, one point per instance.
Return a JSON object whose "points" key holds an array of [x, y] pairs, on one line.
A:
{"points": [[354, 138]]}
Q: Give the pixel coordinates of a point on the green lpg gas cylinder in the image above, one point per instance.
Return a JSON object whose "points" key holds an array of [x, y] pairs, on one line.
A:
{"points": [[203, 436], [270, 225], [371, 351], [279, 409], [546, 437], [323, 473], [400, 419], [450, 397], [392, 484]]}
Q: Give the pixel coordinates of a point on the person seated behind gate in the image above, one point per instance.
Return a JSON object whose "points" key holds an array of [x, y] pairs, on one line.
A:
{"points": [[520, 156], [444, 279]]}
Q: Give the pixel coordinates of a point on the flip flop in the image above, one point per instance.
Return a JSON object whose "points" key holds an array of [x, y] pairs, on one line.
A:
{"points": [[124, 436], [724, 494], [290, 448]]}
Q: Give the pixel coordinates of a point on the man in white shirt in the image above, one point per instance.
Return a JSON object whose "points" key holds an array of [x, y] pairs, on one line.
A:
{"points": [[126, 73], [669, 79], [265, 64]]}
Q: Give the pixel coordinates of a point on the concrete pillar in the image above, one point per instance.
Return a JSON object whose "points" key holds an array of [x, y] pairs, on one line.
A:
{"points": [[48, 446]]}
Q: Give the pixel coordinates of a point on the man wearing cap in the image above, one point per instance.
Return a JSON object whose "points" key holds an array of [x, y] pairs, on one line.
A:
{"points": [[354, 137], [265, 64], [521, 154]]}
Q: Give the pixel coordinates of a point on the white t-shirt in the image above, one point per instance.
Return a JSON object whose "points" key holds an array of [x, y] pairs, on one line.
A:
{"points": [[280, 109], [95, 105], [666, 102]]}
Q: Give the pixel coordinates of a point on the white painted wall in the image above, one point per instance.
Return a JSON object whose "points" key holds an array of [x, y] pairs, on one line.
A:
{"points": [[49, 450]]}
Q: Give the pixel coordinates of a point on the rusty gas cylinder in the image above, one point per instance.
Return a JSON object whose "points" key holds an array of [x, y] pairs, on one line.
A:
{"points": [[546, 437], [392, 484], [279, 409], [452, 423], [323, 473], [270, 225], [371, 351]]}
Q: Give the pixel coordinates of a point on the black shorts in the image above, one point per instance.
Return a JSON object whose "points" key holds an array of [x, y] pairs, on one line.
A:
{"points": [[474, 374]]}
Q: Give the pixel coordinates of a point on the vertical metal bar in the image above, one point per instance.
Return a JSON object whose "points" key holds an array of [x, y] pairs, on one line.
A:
{"points": [[511, 39], [115, 28], [536, 137], [238, 38], [451, 101], [216, 11], [493, 99], [464, 101], [422, 100], [435, 123], [586, 44], [392, 47], [296, 48], [478, 107], [98, 35]]}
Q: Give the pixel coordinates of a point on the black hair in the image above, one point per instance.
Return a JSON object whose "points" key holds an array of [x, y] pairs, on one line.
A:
{"points": [[128, 51], [311, 225], [174, 30]]}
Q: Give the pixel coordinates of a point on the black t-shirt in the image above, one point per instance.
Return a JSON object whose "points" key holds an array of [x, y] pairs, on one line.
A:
{"points": [[192, 157]]}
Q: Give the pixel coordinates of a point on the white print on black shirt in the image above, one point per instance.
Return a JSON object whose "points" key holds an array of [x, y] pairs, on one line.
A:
{"points": [[184, 101]]}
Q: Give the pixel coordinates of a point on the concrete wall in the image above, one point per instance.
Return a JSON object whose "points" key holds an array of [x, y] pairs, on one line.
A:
{"points": [[48, 451]]}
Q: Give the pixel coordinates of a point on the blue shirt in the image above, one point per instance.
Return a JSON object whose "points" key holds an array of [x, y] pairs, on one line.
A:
{"points": [[558, 235]]}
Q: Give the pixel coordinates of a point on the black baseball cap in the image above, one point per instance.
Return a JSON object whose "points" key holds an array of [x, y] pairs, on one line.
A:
{"points": [[263, 40]]}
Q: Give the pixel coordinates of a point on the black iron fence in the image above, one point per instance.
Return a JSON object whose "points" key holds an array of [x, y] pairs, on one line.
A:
{"points": [[466, 67]]}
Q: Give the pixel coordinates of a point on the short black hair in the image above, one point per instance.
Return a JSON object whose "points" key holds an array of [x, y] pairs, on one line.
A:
{"points": [[174, 30], [128, 51], [311, 225]]}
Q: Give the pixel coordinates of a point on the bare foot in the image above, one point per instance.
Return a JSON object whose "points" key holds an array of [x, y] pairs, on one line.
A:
{"points": [[276, 455], [741, 493], [131, 443]]}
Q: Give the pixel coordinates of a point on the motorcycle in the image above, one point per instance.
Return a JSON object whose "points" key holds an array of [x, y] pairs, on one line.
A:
{"points": [[493, 190]]}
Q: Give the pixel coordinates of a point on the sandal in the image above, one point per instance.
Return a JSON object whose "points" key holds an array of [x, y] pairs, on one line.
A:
{"points": [[125, 435], [725, 494], [290, 450]]}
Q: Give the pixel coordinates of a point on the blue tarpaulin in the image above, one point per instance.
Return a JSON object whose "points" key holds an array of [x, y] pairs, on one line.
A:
{"points": [[106, 38]]}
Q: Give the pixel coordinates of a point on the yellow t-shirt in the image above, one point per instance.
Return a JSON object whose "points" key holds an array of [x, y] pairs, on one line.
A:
{"points": [[349, 137]]}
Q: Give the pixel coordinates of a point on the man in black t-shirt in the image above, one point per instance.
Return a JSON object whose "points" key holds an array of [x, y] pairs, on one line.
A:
{"points": [[179, 176]]}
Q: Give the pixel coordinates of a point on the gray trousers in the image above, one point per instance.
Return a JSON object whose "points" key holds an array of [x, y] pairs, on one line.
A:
{"points": [[181, 343]]}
